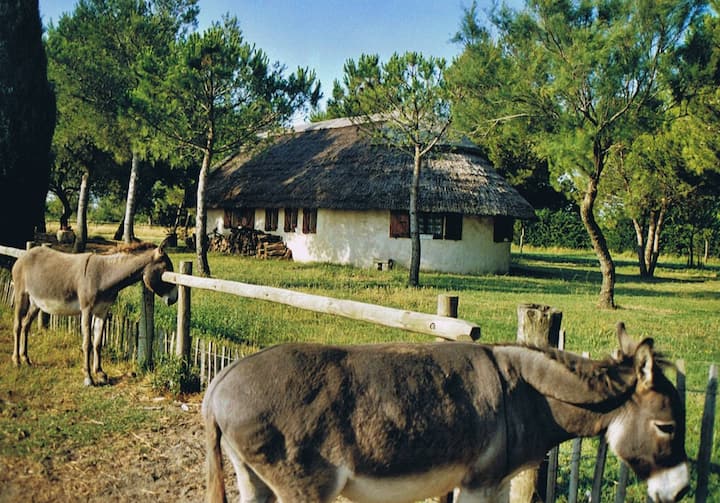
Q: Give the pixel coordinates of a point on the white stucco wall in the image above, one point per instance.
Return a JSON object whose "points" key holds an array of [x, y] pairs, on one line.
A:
{"points": [[357, 237]]}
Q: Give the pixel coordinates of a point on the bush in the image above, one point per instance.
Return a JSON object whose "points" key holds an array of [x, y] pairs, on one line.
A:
{"points": [[172, 375], [557, 228]]}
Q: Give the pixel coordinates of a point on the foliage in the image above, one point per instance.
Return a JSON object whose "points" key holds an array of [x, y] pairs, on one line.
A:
{"points": [[403, 103], [96, 74], [218, 93], [27, 120], [574, 79], [172, 375], [561, 228]]}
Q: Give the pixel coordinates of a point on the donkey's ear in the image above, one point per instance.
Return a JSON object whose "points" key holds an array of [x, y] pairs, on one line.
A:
{"points": [[627, 345], [645, 363]]}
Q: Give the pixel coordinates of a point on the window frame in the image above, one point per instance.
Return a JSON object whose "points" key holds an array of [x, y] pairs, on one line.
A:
{"points": [[291, 219], [450, 225], [309, 225], [271, 219], [503, 229]]}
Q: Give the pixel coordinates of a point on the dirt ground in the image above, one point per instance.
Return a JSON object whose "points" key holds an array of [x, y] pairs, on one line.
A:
{"points": [[163, 463]]}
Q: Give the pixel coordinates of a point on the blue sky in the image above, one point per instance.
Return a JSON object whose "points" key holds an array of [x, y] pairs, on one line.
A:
{"points": [[323, 34]]}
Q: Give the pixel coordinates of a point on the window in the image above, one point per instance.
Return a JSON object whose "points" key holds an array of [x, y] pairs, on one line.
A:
{"points": [[271, 219], [503, 231], [453, 226], [239, 217], [431, 223], [291, 218], [440, 225], [309, 221], [399, 224]]}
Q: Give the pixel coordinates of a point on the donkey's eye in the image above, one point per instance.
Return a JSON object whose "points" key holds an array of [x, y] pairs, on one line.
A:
{"points": [[665, 428]]}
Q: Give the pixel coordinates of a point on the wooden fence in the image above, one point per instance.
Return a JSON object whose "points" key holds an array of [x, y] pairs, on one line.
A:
{"points": [[122, 335]]}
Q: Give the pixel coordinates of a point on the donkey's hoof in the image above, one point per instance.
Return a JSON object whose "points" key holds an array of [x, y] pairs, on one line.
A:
{"points": [[26, 360], [88, 381], [16, 361], [101, 378]]}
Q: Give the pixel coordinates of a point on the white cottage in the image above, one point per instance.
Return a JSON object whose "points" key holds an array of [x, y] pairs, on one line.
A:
{"points": [[334, 197]]}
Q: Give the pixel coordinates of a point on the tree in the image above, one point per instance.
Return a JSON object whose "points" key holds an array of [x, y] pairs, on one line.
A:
{"points": [[405, 104], [96, 50], [27, 121], [216, 95], [581, 77]]}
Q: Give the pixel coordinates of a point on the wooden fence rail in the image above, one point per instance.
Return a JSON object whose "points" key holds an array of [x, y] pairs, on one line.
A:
{"points": [[210, 356], [430, 324]]}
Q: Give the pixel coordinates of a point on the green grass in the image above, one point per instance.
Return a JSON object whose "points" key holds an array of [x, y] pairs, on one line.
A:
{"points": [[679, 308], [46, 414]]}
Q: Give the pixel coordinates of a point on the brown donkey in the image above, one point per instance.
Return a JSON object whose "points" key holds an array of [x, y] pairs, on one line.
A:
{"points": [[86, 284], [303, 423]]}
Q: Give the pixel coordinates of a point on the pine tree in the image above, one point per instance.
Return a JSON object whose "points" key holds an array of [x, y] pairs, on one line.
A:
{"points": [[27, 122]]}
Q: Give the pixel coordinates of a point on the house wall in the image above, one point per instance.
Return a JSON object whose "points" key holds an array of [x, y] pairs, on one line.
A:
{"points": [[358, 237]]}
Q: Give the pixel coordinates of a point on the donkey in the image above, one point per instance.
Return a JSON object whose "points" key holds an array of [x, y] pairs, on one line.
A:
{"points": [[86, 284], [304, 423]]}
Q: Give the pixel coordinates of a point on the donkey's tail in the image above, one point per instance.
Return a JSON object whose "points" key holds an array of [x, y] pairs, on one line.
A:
{"points": [[215, 492]]}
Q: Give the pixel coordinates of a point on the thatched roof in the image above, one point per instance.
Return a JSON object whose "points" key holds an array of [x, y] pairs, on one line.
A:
{"points": [[332, 165]]}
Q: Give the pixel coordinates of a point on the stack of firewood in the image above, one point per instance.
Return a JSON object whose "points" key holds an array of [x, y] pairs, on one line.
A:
{"points": [[271, 246], [250, 242]]}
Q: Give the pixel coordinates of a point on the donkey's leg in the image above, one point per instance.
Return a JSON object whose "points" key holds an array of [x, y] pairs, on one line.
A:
{"points": [[26, 323], [291, 483], [86, 328], [98, 324], [22, 303], [252, 488]]}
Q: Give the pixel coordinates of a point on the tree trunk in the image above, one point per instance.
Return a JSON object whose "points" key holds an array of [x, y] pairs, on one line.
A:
{"points": [[81, 230], [653, 244], [599, 244], [67, 210], [129, 230], [120, 230], [201, 239], [414, 279], [639, 249]]}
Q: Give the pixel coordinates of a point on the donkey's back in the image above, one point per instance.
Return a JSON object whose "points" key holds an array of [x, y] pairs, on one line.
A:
{"points": [[50, 278], [396, 422]]}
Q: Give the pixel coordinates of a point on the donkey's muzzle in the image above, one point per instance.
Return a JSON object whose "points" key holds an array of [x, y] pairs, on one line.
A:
{"points": [[171, 297], [669, 485]]}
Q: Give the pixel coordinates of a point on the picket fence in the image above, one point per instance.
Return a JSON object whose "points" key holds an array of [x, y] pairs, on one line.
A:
{"points": [[209, 356]]}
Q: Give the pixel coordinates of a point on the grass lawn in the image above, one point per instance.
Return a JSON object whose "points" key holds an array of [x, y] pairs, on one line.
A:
{"points": [[678, 308]]}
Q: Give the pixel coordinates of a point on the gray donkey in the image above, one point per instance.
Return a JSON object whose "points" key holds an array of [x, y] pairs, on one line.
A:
{"points": [[303, 423], [86, 284]]}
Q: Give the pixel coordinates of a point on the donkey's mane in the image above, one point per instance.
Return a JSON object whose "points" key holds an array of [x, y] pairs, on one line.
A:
{"points": [[131, 247], [612, 376], [607, 380]]}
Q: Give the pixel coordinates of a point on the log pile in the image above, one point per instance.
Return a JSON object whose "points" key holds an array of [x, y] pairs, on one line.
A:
{"points": [[250, 242], [273, 248]]}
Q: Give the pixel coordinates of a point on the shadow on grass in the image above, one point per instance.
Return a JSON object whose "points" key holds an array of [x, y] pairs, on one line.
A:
{"points": [[567, 274]]}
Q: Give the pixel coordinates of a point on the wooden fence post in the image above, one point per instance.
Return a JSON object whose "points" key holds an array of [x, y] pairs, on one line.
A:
{"points": [[447, 305], [537, 326], [146, 329], [706, 436], [183, 343]]}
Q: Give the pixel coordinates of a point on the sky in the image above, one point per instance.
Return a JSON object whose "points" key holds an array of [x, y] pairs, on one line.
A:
{"points": [[323, 34]]}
